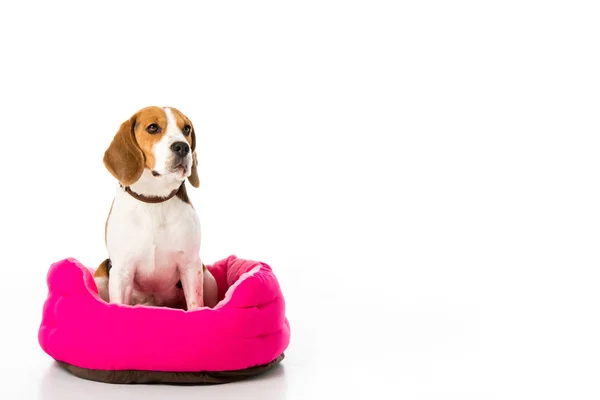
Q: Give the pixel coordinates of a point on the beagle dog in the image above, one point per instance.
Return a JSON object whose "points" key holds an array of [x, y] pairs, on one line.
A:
{"points": [[152, 233]]}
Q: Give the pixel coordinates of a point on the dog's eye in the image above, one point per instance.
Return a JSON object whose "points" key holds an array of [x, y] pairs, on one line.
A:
{"points": [[153, 128], [186, 130]]}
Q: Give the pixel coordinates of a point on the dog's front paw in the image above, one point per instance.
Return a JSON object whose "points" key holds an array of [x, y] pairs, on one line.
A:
{"points": [[194, 305]]}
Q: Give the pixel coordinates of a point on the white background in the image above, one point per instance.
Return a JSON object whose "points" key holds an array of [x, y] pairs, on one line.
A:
{"points": [[422, 177]]}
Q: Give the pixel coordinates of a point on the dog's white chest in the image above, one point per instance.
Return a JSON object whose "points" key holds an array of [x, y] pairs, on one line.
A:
{"points": [[153, 240]]}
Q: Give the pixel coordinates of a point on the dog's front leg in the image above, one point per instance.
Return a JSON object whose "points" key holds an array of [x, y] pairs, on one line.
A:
{"points": [[192, 282], [120, 284]]}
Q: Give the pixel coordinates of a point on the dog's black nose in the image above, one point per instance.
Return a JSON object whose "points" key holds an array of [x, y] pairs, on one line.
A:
{"points": [[180, 148]]}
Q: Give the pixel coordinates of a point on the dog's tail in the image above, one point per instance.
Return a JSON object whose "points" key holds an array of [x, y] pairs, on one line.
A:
{"points": [[101, 278], [103, 269]]}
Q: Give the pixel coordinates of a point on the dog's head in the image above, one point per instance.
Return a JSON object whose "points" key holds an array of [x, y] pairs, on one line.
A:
{"points": [[161, 139]]}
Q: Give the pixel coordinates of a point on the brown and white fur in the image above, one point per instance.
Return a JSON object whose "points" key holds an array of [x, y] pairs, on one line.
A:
{"points": [[154, 247]]}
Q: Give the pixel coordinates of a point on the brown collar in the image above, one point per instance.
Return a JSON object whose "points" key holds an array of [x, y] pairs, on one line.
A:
{"points": [[151, 199]]}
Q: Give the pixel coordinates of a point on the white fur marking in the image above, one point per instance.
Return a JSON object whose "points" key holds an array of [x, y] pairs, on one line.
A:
{"points": [[162, 150]]}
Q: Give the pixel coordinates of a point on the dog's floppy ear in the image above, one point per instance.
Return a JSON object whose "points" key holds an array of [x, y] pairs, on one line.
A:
{"points": [[193, 178], [124, 158]]}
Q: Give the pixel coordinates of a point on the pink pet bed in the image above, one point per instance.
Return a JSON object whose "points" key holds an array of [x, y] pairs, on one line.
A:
{"points": [[245, 334]]}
